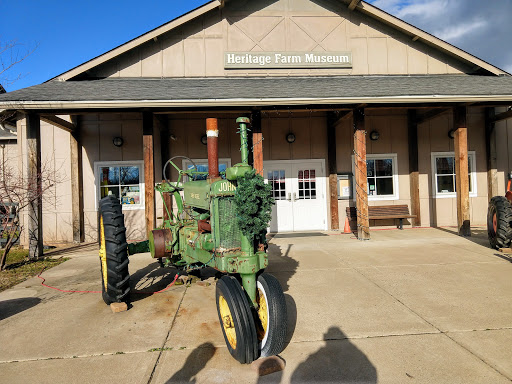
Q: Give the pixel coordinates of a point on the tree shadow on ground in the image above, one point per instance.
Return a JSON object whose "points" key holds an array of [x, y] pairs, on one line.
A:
{"points": [[195, 362], [12, 307], [339, 361]]}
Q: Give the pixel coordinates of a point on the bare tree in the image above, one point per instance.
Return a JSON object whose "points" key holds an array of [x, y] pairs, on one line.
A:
{"points": [[12, 52], [17, 193]]}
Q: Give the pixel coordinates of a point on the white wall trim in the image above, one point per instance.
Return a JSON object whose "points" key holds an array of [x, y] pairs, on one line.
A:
{"points": [[452, 195]]}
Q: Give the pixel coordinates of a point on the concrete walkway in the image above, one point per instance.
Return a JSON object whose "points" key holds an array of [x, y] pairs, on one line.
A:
{"points": [[411, 306]]}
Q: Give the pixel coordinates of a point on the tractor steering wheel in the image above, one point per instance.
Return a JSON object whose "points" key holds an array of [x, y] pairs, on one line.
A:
{"points": [[177, 186]]}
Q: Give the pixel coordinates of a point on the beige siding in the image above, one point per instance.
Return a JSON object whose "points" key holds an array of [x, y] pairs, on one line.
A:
{"points": [[433, 137], [56, 166], [97, 134], [196, 49]]}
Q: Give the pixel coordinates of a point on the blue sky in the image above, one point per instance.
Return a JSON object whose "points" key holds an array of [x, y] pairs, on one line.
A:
{"points": [[68, 33]]}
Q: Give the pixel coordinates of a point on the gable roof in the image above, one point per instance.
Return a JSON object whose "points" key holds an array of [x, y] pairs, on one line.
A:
{"points": [[355, 5]]}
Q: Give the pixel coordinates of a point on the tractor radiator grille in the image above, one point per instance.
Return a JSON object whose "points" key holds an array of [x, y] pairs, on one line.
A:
{"points": [[229, 230]]}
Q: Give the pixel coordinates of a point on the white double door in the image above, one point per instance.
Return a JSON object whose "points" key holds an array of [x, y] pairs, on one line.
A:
{"points": [[299, 190]]}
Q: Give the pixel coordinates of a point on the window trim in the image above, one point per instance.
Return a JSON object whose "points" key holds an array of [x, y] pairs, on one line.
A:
{"points": [[142, 184], [396, 189], [451, 195]]}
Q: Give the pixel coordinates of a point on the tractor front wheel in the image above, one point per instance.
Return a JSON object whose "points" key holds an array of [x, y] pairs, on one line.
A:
{"points": [[271, 321], [499, 220], [113, 252], [236, 320]]}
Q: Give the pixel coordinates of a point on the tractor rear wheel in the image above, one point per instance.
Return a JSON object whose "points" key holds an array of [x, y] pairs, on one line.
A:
{"points": [[236, 320], [499, 220], [271, 321], [113, 252]]}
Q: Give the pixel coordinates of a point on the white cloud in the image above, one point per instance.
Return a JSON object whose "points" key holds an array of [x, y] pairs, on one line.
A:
{"points": [[482, 28], [425, 9], [461, 30]]}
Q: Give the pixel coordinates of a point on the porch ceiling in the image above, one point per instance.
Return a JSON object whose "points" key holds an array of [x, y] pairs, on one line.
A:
{"points": [[258, 91]]}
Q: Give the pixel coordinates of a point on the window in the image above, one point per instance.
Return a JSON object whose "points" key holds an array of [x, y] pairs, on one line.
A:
{"points": [[202, 166], [277, 179], [443, 173], [122, 179], [382, 175], [307, 184]]}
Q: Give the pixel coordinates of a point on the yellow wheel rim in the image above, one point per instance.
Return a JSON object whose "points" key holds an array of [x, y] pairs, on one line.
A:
{"points": [[262, 314], [227, 322], [103, 253]]}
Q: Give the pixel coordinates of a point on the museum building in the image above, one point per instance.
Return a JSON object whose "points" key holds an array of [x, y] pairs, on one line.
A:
{"points": [[349, 107]]}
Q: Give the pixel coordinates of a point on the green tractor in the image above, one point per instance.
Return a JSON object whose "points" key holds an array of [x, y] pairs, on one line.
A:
{"points": [[220, 222]]}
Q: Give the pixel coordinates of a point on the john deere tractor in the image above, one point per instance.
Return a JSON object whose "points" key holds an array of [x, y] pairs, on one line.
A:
{"points": [[219, 221], [499, 219]]}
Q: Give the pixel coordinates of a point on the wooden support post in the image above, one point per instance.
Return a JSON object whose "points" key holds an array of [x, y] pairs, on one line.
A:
{"points": [[414, 175], [332, 118], [35, 208], [363, 223], [461, 170], [165, 154], [77, 190], [492, 163], [149, 170], [257, 142]]}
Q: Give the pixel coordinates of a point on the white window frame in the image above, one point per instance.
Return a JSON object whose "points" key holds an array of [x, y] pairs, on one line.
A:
{"points": [[142, 187], [185, 163], [381, 156], [451, 195]]}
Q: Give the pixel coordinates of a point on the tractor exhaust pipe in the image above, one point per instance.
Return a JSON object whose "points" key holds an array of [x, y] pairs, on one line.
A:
{"points": [[212, 134]]}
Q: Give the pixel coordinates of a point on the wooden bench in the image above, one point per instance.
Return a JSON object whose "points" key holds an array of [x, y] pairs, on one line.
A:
{"points": [[382, 212]]}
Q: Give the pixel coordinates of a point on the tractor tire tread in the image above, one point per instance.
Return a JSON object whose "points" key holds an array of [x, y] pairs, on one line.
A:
{"points": [[503, 209], [117, 287], [277, 315]]}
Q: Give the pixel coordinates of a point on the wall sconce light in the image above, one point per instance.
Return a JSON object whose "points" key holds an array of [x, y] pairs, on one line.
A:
{"points": [[173, 137], [374, 135], [451, 133], [290, 138], [204, 140], [118, 141]]}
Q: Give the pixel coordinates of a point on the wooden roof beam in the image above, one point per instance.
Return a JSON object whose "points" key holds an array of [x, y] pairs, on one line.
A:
{"points": [[502, 116], [430, 115], [353, 4], [58, 122]]}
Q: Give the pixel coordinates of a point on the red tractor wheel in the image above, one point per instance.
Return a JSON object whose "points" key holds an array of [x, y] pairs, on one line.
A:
{"points": [[499, 222]]}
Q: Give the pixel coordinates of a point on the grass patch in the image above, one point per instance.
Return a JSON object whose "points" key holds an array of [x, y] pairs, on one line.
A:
{"points": [[19, 268]]}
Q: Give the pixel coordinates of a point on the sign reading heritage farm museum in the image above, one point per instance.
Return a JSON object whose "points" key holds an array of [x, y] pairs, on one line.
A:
{"points": [[263, 60]]}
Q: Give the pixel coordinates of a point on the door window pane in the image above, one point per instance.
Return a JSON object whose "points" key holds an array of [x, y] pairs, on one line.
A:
{"points": [[277, 180], [307, 184]]}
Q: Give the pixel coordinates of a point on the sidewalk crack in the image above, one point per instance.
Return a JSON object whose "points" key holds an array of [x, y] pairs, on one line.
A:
{"points": [[166, 337]]}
